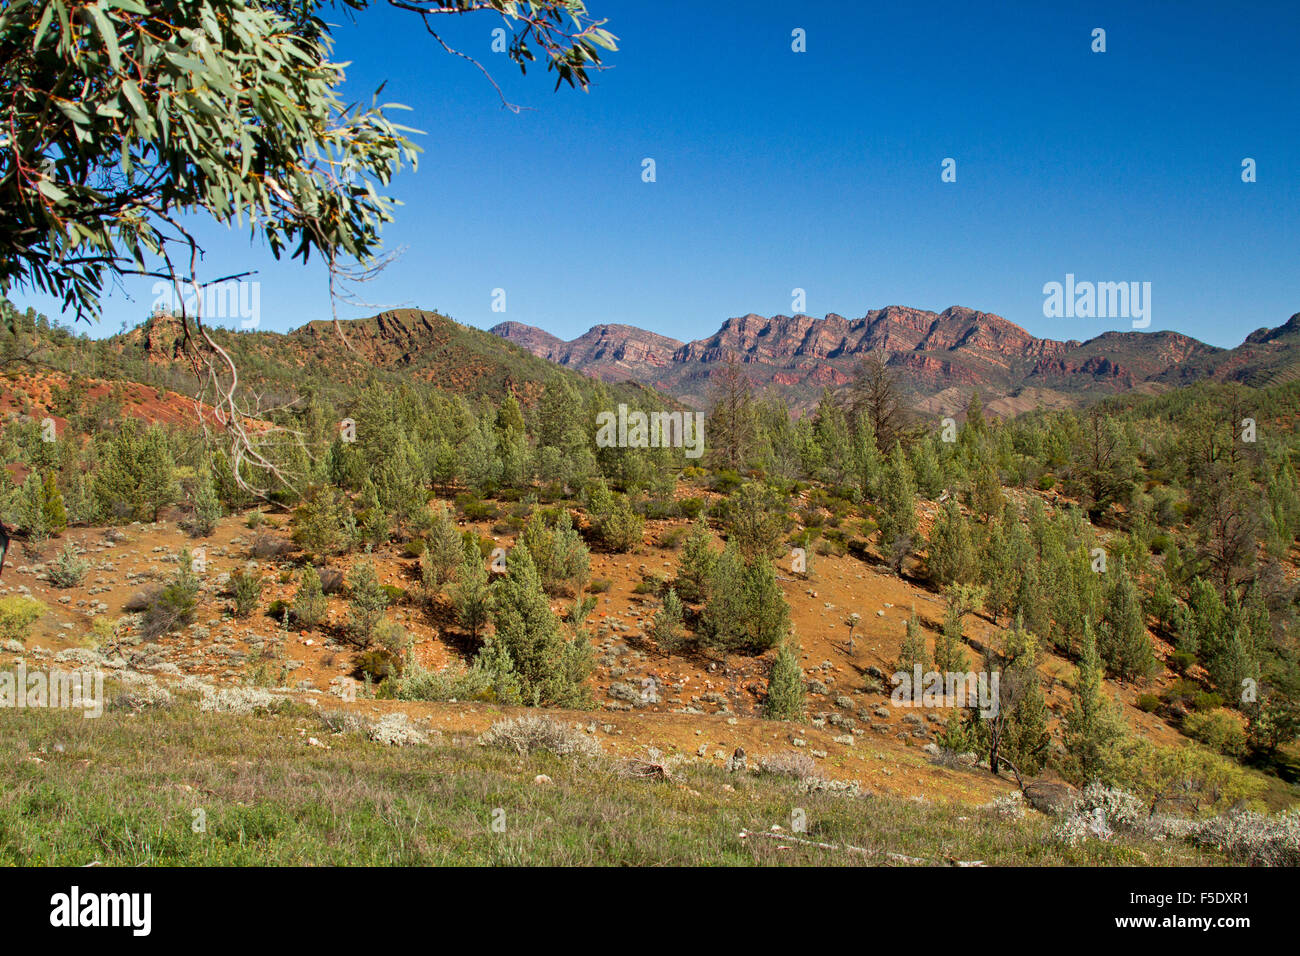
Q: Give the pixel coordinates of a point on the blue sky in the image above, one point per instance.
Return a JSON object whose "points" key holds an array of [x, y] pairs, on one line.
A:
{"points": [[821, 170]]}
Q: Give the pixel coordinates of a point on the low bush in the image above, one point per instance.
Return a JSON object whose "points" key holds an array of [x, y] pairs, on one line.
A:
{"points": [[791, 763], [17, 615], [1217, 729], [67, 570], [529, 734]]}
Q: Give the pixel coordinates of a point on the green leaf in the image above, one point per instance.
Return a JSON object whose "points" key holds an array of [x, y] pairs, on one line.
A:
{"points": [[132, 93], [46, 17], [51, 191], [107, 34]]}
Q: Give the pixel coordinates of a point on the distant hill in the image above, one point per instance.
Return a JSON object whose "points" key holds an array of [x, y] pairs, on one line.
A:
{"points": [[401, 343], [941, 356]]}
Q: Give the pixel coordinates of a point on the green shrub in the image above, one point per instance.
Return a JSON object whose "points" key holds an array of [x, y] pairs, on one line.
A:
{"points": [[1206, 701], [1217, 729], [376, 665], [67, 570], [691, 508], [475, 509], [1181, 661], [246, 589], [650, 583], [17, 615], [310, 607], [667, 627], [1148, 703], [785, 694], [746, 610], [171, 607]]}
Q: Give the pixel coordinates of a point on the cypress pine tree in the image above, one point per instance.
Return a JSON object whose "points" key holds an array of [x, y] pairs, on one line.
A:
{"points": [[367, 602], [551, 670], [443, 551], [1092, 727], [373, 522], [30, 508], [951, 558], [897, 519], [310, 608], [207, 508], [494, 661], [55, 515], [470, 595], [157, 472], [949, 655], [695, 564], [1122, 639], [868, 465], [667, 627], [913, 650], [785, 692]]}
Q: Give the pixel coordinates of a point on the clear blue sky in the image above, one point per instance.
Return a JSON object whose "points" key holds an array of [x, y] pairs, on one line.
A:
{"points": [[821, 170]]}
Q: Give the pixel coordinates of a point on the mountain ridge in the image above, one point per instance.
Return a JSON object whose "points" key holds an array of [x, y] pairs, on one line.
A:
{"points": [[959, 349]]}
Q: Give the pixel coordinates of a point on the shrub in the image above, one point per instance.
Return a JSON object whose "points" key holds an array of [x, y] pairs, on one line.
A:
{"points": [[238, 700], [1217, 729], [1254, 838], [246, 589], [691, 508], [376, 665], [269, 547], [392, 637], [1148, 703], [671, 538], [17, 615], [474, 509], [1122, 811], [171, 607], [1180, 662], [67, 570], [613, 522], [331, 580], [463, 684], [650, 583], [395, 730], [529, 735], [788, 764], [310, 608]]}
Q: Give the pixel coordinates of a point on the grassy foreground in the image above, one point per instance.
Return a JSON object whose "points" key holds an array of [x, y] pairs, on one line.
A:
{"points": [[123, 790]]}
